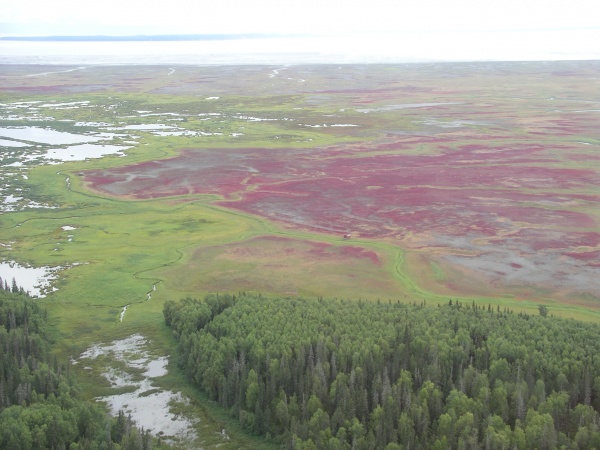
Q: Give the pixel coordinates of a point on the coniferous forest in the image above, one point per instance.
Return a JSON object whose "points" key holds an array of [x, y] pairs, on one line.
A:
{"points": [[40, 403], [333, 374]]}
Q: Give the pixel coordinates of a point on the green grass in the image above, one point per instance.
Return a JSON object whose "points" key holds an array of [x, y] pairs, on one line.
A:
{"points": [[438, 273]]}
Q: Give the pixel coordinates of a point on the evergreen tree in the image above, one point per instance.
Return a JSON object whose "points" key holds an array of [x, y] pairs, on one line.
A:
{"points": [[322, 374]]}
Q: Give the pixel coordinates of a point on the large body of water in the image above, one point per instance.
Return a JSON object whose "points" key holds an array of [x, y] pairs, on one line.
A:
{"points": [[524, 45]]}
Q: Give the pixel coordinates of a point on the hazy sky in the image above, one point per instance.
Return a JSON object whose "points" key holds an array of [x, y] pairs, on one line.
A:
{"points": [[504, 29], [64, 17]]}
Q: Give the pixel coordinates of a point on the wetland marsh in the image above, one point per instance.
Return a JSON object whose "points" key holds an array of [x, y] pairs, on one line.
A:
{"points": [[477, 181]]}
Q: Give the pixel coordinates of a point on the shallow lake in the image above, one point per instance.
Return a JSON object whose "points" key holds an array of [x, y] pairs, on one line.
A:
{"points": [[83, 151], [34, 280], [148, 405], [7, 143], [48, 136]]}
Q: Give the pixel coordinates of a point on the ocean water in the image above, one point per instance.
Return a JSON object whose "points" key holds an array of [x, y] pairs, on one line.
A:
{"points": [[582, 44]]}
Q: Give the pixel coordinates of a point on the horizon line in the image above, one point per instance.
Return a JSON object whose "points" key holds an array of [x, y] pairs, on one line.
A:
{"points": [[152, 37]]}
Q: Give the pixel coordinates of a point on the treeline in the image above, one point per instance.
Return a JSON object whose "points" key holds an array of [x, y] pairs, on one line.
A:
{"points": [[13, 287], [40, 404], [361, 375]]}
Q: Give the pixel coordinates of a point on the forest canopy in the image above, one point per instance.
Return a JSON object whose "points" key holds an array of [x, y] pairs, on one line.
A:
{"points": [[361, 375]]}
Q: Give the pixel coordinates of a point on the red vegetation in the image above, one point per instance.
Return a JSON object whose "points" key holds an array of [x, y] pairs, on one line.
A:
{"points": [[498, 198], [475, 189]]}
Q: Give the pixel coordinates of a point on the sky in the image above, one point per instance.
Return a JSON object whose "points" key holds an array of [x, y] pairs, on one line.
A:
{"points": [[489, 26]]}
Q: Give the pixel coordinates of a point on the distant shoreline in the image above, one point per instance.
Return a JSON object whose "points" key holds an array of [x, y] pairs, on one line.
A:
{"points": [[240, 49], [143, 37]]}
